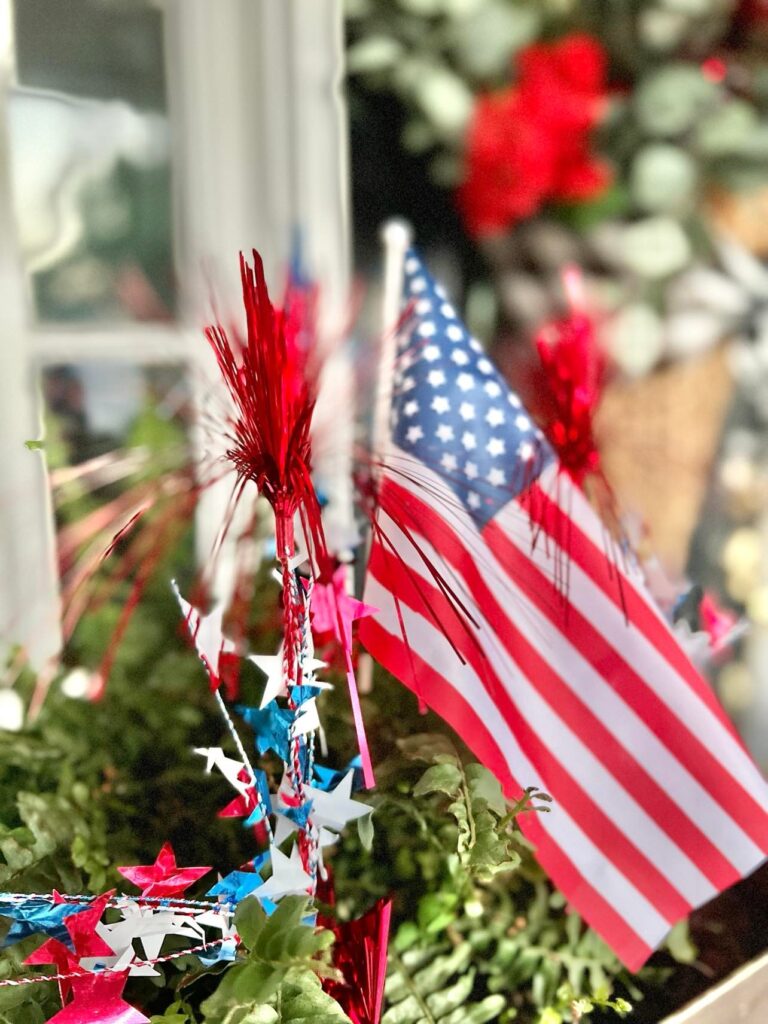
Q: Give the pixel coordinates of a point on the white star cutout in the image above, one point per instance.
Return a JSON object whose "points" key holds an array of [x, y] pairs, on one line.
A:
{"points": [[423, 306], [272, 667], [408, 383], [229, 768], [492, 388], [494, 416], [513, 400], [436, 378], [526, 451], [468, 440], [449, 462], [495, 477], [307, 718], [426, 329], [444, 433], [448, 311], [411, 408], [485, 366], [522, 422], [411, 265], [206, 632], [439, 291], [460, 357], [475, 345], [473, 500], [465, 381], [467, 411], [440, 404], [495, 446], [414, 434], [288, 876], [454, 332], [470, 469], [431, 353], [333, 810], [418, 284]]}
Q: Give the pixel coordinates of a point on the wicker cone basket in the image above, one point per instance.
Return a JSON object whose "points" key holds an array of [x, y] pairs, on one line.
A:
{"points": [[659, 437]]}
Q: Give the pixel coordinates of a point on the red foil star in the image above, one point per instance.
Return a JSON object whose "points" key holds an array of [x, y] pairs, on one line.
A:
{"points": [[85, 943], [97, 999], [163, 878]]}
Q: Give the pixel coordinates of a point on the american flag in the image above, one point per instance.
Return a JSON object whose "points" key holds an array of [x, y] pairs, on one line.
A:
{"points": [[561, 672]]}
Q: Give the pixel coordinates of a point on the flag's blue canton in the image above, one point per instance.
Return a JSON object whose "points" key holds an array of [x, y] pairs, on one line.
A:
{"points": [[453, 411]]}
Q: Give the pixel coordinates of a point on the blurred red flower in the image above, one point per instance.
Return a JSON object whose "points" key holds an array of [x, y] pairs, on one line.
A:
{"points": [[530, 143]]}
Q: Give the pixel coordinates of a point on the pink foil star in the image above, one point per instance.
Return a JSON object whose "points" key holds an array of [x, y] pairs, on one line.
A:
{"points": [[85, 941], [333, 610], [720, 623], [241, 807], [163, 878], [97, 999]]}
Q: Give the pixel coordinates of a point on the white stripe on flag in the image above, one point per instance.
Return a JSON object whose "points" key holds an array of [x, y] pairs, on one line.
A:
{"points": [[637, 910]]}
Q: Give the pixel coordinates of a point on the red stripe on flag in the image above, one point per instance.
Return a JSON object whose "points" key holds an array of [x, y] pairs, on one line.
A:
{"points": [[547, 515], [697, 758], [593, 907], [390, 651], [616, 847]]}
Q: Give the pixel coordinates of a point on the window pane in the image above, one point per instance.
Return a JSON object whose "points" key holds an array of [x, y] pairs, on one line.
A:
{"points": [[90, 160], [121, 477]]}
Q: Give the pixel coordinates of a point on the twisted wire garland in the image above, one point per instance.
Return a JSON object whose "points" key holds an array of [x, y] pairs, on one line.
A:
{"points": [[34, 979], [266, 811], [172, 902], [307, 672], [294, 658]]}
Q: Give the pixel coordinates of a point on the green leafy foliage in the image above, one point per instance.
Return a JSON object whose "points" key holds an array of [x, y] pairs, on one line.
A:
{"points": [[478, 931], [480, 934], [279, 979], [434, 984]]}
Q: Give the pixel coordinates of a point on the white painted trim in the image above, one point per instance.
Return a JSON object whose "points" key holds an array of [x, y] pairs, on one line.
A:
{"points": [[258, 144], [740, 998], [29, 598]]}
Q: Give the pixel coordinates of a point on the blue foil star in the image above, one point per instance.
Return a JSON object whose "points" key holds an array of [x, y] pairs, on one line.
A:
{"points": [[226, 951], [328, 778], [236, 885], [271, 726], [33, 916], [298, 814]]}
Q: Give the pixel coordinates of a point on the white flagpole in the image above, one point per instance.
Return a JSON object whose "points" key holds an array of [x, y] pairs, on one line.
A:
{"points": [[396, 236]]}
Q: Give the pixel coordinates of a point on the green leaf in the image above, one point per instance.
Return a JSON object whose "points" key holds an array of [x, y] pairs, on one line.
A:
{"points": [[250, 918], [243, 986], [679, 943], [484, 785], [670, 100], [373, 53], [303, 999], [34, 446], [426, 746], [440, 778], [549, 1016], [365, 831]]}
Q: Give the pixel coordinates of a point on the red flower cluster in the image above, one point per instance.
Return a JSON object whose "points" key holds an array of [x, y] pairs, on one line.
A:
{"points": [[530, 143]]}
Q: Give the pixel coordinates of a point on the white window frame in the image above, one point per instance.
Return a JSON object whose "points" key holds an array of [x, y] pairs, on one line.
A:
{"points": [[256, 149]]}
